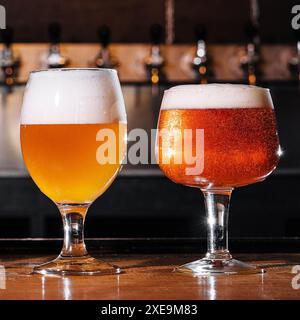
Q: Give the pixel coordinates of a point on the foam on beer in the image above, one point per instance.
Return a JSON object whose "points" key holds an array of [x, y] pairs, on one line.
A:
{"points": [[73, 96], [216, 96]]}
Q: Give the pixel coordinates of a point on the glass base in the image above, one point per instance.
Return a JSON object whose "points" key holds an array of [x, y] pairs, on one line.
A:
{"points": [[206, 267], [85, 265]]}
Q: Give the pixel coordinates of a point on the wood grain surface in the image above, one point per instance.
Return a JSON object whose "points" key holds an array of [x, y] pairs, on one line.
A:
{"points": [[149, 277]]}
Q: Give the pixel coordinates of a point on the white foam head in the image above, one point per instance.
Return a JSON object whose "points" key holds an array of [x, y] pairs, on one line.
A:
{"points": [[212, 96], [73, 96]]}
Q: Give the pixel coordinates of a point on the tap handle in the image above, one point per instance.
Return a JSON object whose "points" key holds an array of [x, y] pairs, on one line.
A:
{"points": [[104, 35], [156, 33], [251, 31], [54, 31], [200, 32], [7, 36]]}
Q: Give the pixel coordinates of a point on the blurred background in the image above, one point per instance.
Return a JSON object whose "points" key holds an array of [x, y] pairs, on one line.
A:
{"points": [[154, 45]]}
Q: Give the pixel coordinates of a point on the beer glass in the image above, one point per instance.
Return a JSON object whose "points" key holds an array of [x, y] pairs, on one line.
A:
{"points": [[217, 137], [70, 120]]}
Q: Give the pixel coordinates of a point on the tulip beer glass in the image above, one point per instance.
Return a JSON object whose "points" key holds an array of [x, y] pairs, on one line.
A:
{"points": [[217, 137], [66, 114]]}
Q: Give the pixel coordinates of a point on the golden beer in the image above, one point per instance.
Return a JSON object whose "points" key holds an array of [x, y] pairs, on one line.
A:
{"points": [[73, 139], [61, 159]]}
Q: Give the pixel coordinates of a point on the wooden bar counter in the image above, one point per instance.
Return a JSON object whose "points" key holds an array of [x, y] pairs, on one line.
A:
{"points": [[147, 276]]}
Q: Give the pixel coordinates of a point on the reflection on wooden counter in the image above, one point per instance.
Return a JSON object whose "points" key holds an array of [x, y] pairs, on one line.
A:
{"points": [[150, 277]]}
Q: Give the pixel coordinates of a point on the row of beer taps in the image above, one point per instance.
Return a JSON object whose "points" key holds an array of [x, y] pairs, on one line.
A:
{"points": [[201, 62]]}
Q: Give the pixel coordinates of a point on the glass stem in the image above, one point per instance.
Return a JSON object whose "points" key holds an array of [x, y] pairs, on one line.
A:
{"points": [[73, 216], [217, 211]]}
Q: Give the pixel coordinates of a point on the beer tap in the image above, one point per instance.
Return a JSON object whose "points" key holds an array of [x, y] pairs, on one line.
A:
{"points": [[250, 61], [155, 61], [9, 61], [294, 63], [55, 59], [104, 58], [200, 60]]}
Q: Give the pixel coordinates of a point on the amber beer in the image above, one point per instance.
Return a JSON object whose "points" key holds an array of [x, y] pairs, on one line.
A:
{"points": [[240, 144], [237, 145], [61, 159]]}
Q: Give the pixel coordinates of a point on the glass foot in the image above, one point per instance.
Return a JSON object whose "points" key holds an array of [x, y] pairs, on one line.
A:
{"points": [[85, 265], [206, 267]]}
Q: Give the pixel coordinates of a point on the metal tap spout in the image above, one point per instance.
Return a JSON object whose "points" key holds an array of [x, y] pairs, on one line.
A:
{"points": [[104, 58], [55, 59], [9, 61], [155, 61], [200, 62], [251, 59]]}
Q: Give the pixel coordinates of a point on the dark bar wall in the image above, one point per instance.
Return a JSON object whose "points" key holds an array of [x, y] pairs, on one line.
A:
{"points": [[130, 20], [149, 205]]}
